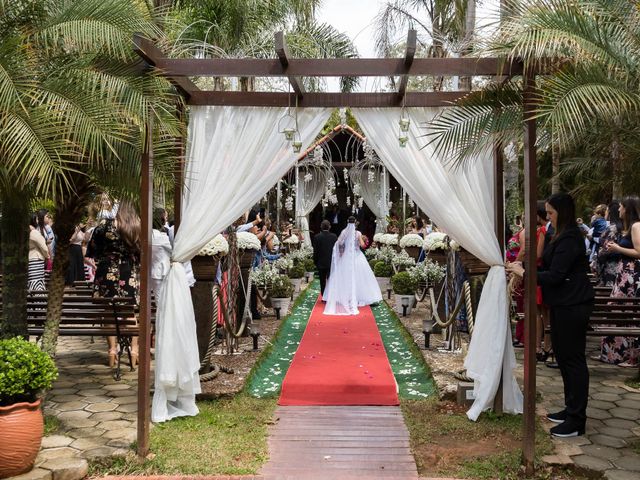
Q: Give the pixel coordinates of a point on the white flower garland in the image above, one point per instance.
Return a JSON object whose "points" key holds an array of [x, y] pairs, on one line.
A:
{"points": [[217, 246], [411, 240], [247, 241], [377, 237], [293, 239]]}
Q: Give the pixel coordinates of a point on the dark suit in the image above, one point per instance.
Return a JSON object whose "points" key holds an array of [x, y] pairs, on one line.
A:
{"points": [[567, 291], [322, 249]]}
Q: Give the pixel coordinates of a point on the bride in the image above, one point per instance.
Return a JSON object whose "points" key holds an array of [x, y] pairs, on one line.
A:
{"points": [[351, 282]]}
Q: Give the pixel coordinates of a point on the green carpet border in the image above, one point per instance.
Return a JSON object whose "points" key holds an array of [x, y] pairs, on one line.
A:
{"points": [[409, 367], [266, 377]]}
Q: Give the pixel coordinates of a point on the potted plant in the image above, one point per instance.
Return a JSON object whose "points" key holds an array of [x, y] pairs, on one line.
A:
{"points": [[205, 264], [309, 269], [296, 273], [248, 245], [25, 372], [404, 289], [436, 246], [372, 263], [280, 292], [412, 243], [383, 271], [401, 261]]}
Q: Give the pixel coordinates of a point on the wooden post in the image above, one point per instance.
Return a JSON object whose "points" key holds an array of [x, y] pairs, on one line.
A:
{"points": [[144, 343], [179, 178], [498, 192], [530, 307]]}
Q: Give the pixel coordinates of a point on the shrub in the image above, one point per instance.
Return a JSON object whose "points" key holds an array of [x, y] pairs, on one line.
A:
{"points": [[297, 271], [382, 269], [403, 284], [309, 266], [372, 263], [281, 287], [25, 371]]}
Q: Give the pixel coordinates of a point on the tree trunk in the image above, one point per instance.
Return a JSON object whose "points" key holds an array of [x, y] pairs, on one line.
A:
{"points": [[69, 210], [14, 231], [555, 167], [617, 169], [469, 29]]}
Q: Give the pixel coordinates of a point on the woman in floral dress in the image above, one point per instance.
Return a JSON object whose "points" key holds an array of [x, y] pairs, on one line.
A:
{"points": [[624, 351], [115, 247], [606, 262]]}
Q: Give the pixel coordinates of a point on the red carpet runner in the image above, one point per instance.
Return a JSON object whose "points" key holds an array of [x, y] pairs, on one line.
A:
{"points": [[340, 361]]}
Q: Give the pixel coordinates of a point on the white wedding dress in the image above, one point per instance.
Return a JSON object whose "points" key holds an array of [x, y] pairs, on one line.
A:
{"points": [[351, 282]]}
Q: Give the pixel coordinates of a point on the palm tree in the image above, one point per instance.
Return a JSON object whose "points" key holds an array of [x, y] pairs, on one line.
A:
{"points": [[72, 104], [592, 49], [445, 28]]}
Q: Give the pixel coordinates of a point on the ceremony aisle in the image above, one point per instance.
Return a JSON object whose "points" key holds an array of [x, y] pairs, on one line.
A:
{"points": [[340, 361]]}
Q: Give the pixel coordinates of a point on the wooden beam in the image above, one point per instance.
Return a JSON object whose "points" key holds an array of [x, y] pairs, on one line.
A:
{"points": [[283, 55], [144, 339], [332, 100], [498, 194], [152, 55], [334, 67], [409, 54], [530, 266]]}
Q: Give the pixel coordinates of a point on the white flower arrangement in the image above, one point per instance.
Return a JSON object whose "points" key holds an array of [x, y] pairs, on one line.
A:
{"points": [[386, 254], [217, 246], [275, 240], [411, 240], [453, 245], [402, 259], [247, 241], [264, 275], [293, 239], [283, 264], [302, 254], [377, 237], [371, 253], [427, 271], [435, 241], [389, 239]]}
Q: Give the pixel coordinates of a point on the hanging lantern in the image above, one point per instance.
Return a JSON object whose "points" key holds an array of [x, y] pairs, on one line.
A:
{"points": [[296, 144], [402, 140], [404, 124]]}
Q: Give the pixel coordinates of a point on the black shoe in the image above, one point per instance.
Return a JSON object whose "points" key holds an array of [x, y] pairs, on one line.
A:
{"points": [[567, 429], [552, 364], [557, 417], [256, 316]]}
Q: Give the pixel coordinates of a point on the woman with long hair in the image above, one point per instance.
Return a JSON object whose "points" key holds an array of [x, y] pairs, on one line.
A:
{"points": [[563, 276], [115, 247], [624, 351], [606, 262], [38, 254]]}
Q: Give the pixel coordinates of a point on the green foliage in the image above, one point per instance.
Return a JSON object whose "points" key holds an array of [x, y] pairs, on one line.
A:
{"points": [[51, 424], [403, 284], [372, 263], [297, 271], [25, 371], [309, 266], [281, 287], [382, 269]]}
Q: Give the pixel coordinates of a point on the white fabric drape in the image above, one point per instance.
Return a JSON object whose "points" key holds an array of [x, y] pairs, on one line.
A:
{"points": [[308, 196], [461, 203], [375, 194], [234, 156]]}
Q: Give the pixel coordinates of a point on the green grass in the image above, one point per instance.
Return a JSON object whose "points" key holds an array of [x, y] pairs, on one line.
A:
{"points": [[635, 445], [51, 424], [433, 424], [633, 382], [228, 437]]}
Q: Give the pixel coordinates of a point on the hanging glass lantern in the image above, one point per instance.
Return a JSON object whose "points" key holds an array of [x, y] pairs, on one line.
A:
{"points": [[296, 143], [404, 124], [402, 140]]}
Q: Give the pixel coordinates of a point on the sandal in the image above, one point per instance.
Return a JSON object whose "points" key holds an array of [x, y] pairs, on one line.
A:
{"points": [[542, 355]]}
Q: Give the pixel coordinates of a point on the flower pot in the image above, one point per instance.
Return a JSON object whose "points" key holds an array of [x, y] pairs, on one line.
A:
{"points": [[297, 282], [384, 283], [246, 257], [400, 300], [472, 264], [438, 256], [205, 267], [413, 252], [21, 429], [282, 304]]}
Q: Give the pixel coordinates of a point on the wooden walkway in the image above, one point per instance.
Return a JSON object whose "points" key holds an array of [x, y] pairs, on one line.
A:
{"points": [[339, 443]]}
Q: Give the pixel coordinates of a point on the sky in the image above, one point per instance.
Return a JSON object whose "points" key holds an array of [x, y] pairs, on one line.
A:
{"points": [[356, 19]]}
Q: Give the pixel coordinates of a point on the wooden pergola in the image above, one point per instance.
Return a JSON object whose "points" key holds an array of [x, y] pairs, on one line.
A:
{"points": [[178, 71]]}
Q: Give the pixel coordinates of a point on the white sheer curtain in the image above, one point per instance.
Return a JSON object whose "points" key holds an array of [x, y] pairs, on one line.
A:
{"points": [[235, 154], [375, 194], [462, 203], [308, 195]]}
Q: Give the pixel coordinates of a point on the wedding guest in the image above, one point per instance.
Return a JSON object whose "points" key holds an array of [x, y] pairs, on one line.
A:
{"points": [[75, 270], [323, 244], [606, 262], [624, 351], [161, 250], [598, 226], [115, 247], [45, 227], [567, 290], [38, 253]]}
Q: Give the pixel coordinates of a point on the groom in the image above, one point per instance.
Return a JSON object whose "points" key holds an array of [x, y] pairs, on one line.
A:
{"points": [[322, 248]]}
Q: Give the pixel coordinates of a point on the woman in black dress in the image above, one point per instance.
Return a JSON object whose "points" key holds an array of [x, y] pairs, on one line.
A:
{"points": [[567, 291], [115, 247]]}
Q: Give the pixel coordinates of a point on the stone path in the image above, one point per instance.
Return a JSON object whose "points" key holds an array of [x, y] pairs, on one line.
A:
{"points": [[611, 444], [97, 415]]}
